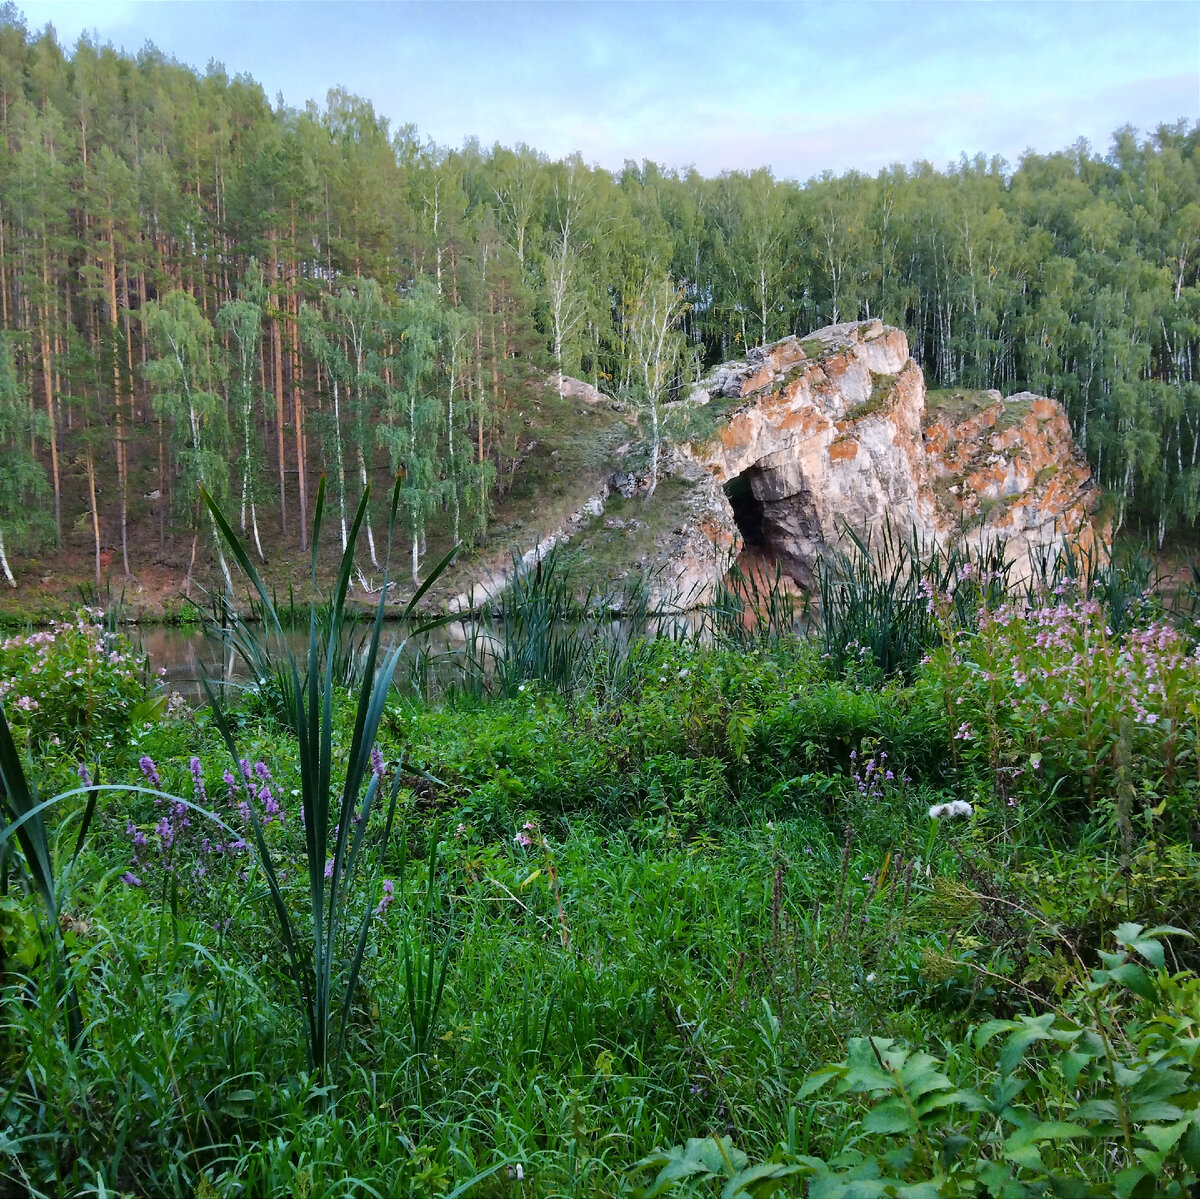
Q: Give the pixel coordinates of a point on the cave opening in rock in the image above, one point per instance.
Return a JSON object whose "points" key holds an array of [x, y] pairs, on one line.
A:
{"points": [[747, 512]]}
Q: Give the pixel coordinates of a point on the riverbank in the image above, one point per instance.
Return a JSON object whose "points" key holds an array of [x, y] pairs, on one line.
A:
{"points": [[622, 895]]}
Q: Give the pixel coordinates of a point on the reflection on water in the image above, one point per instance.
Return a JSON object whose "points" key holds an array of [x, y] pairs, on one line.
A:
{"points": [[187, 653]]}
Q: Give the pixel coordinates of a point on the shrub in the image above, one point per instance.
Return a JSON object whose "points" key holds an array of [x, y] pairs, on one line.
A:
{"points": [[72, 684], [1125, 710]]}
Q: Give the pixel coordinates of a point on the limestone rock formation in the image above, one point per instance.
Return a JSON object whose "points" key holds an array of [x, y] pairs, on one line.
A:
{"points": [[812, 435]]}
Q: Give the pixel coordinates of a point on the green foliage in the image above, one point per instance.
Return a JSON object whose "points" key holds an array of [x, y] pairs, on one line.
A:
{"points": [[1107, 1107], [334, 826], [72, 685], [22, 477], [1124, 709], [640, 892], [884, 607], [185, 376]]}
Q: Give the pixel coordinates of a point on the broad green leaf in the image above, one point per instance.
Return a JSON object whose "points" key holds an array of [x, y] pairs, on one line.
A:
{"points": [[991, 1029], [1126, 1182], [1135, 978], [1146, 942], [822, 1078], [892, 1115], [1164, 1137], [1031, 1029], [762, 1180], [1097, 1109]]}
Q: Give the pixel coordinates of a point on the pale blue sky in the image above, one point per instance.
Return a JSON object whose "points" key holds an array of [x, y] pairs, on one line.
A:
{"points": [[801, 87]]}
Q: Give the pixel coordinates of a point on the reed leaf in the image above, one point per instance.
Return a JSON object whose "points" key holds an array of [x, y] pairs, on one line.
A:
{"points": [[329, 818]]}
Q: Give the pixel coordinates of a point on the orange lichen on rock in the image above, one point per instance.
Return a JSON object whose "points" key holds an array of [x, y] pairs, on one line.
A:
{"points": [[835, 434]]}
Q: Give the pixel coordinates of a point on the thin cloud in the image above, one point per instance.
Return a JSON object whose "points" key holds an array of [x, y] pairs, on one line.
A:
{"points": [[798, 87]]}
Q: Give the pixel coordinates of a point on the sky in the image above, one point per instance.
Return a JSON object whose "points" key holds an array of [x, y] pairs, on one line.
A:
{"points": [[801, 88]]}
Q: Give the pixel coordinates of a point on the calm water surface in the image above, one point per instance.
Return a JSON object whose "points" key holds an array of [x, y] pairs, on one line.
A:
{"points": [[187, 654]]}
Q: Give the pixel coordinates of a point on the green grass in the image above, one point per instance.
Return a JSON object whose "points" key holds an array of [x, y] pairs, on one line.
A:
{"points": [[662, 897], [955, 405], [881, 389], [631, 531]]}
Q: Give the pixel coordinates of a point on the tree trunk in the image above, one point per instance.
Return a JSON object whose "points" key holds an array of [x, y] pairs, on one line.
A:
{"points": [[298, 417], [118, 404], [91, 478], [48, 384], [8, 574]]}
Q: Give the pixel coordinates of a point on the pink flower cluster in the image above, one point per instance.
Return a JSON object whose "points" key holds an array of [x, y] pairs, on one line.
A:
{"points": [[1053, 677]]}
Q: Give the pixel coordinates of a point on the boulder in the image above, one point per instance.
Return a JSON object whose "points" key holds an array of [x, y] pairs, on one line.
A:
{"points": [[832, 432]]}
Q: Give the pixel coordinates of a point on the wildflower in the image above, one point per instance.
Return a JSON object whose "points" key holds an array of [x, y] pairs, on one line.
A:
{"points": [[150, 771], [131, 879], [389, 896], [377, 762], [461, 831], [197, 780], [166, 833], [85, 776], [523, 839]]}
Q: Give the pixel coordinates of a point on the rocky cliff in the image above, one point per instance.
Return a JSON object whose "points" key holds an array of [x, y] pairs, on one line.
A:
{"points": [[810, 436]]}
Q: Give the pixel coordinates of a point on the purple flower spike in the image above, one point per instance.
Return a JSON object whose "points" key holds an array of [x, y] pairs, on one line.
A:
{"points": [[389, 896], [198, 780], [377, 762], [130, 879], [150, 771]]}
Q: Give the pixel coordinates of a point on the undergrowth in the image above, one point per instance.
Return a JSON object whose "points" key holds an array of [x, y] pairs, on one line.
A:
{"points": [[732, 910]]}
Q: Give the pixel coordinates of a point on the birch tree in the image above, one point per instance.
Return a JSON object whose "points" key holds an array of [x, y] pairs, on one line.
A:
{"points": [[184, 376], [242, 320], [658, 352], [414, 412]]}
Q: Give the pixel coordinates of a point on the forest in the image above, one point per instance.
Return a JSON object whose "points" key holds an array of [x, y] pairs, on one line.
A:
{"points": [[199, 289]]}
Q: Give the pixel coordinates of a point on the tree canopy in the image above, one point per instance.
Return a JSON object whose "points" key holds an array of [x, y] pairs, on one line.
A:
{"points": [[352, 298]]}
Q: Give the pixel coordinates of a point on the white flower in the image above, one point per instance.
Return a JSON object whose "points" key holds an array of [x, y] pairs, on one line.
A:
{"points": [[871, 978]]}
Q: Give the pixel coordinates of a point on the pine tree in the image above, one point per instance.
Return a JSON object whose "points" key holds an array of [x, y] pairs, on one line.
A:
{"points": [[22, 479]]}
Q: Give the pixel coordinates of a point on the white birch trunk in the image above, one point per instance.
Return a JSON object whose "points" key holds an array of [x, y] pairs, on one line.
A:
{"points": [[8, 574]]}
